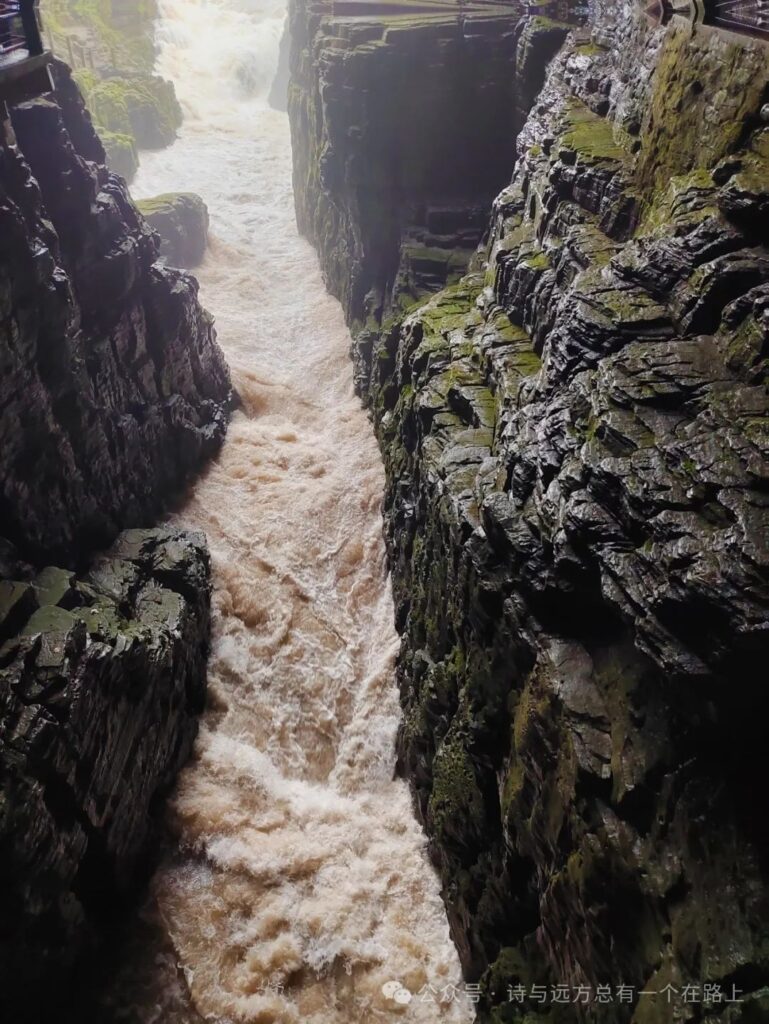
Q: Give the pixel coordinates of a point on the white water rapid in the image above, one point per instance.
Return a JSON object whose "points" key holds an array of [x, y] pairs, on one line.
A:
{"points": [[300, 890]]}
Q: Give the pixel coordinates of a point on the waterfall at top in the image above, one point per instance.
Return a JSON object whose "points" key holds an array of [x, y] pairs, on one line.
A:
{"points": [[299, 889]]}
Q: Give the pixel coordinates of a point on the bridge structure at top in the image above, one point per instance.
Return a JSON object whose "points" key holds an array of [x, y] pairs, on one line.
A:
{"points": [[24, 60], [443, 8], [742, 17]]}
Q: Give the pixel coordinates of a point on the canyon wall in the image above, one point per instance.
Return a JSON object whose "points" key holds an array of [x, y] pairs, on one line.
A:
{"points": [[110, 364], [403, 130], [575, 434], [113, 394], [102, 677]]}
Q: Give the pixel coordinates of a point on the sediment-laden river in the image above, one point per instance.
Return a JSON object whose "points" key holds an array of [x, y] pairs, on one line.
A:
{"points": [[300, 889]]}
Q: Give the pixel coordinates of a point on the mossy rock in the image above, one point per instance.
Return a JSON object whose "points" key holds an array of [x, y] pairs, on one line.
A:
{"points": [[591, 137], [691, 70], [144, 108], [122, 154], [181, 220], [111, 48], [457, 810]]}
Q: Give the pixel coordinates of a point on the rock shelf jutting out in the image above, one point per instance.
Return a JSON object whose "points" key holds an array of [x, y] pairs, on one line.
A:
{"points": [[575, 434]]}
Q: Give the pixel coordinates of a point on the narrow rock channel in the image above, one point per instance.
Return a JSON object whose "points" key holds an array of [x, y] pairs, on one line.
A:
{"points": [[300, 886]]}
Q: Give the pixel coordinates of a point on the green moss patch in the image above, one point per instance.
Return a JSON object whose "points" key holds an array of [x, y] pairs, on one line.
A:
{"points": [[592, 137]]}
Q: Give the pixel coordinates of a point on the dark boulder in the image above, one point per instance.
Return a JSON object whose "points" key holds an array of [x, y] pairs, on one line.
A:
{"points": [[181, 220]]}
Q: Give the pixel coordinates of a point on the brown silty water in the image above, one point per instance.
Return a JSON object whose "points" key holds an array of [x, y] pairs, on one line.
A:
{"points": [[299, 887]]}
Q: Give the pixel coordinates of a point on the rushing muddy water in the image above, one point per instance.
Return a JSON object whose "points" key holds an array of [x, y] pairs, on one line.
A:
{"points": [[300, 889]]}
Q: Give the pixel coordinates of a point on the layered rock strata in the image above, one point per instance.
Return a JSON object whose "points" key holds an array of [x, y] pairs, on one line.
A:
{"points": [[403, 129], [102, 677], [576, 436], [113, 393], [113, 389]]}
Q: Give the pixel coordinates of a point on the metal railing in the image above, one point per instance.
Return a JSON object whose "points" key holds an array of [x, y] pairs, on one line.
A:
{"points": [[12, 38], [747, 17], [19, 30], [571, 11], [743, 17]]}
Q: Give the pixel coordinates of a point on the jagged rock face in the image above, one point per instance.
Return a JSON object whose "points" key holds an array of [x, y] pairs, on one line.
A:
{"points": [[102, 677], [576, 438], [113, 389], [113, 393], [377, 105], [181, 220]]}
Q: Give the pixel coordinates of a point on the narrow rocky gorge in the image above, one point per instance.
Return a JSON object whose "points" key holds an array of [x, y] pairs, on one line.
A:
{"points": [[575, 436], [547, 231], [377, 105]]}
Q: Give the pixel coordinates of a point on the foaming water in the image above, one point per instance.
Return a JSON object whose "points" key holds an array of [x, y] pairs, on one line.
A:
{"points": [[300, 887]]}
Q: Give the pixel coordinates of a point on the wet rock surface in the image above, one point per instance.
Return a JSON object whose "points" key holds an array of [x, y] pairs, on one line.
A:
{"points": [[113, 394], [403, 130], [576, 435], [181, 220], [102, 677], [114, 390]]}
